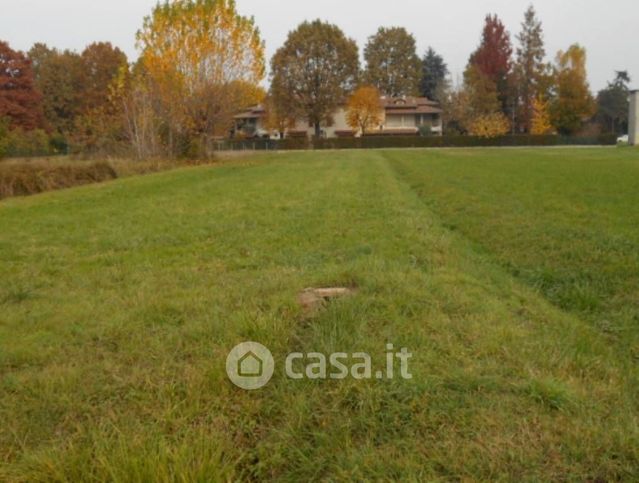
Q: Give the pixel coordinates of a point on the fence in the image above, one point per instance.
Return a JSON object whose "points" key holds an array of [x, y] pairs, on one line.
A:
{"points": [[376, 142]]}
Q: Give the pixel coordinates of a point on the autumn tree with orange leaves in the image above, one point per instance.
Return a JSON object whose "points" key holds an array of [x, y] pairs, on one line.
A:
{"points": [[364, 109], [203, 62]]}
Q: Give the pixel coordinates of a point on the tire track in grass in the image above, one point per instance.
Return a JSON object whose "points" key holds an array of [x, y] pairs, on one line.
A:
{"points": [[502, 379], [621, 333]]}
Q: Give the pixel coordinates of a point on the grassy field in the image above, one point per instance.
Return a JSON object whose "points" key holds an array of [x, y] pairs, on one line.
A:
{"points": [[511, 275]]}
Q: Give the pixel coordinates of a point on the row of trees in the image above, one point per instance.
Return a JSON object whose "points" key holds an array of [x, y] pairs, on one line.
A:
{"points": [[56, 92], [318, 68], [201, 62], [507, 88]]}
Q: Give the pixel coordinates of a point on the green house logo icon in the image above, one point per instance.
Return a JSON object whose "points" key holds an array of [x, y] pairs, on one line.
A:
{"points": [[250, 365]]}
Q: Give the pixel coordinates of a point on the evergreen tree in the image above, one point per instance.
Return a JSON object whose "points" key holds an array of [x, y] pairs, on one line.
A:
{"points": [[434, 75], [612, 104], [530, 69]]}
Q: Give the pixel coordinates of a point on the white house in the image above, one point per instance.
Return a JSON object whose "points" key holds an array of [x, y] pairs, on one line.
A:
{"points": [[633, 128], [404, 116]]}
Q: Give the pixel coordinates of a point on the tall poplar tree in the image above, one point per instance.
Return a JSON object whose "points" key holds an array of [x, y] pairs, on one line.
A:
{"points": [[530, 69], [204, 61]]}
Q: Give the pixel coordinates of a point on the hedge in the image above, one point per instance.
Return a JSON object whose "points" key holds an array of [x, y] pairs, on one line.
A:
{"points": [[17, 143], [372, 142], [25, 178]]}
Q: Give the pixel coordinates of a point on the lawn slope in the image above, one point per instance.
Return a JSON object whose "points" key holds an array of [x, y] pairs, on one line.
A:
{"points": [[119, 303]]}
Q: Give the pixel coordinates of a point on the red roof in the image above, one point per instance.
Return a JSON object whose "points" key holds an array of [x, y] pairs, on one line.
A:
{"points": [[254, 112], [410, 105], [392, 105]]}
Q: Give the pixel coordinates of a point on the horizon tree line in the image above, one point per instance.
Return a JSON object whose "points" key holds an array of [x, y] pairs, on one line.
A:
{"points": [[184, 89]]}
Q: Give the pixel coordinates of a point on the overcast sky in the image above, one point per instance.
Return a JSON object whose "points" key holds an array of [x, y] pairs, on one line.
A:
{"points": [[608, 29]]}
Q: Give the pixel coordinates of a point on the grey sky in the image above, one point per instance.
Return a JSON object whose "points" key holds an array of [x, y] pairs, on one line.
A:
{"points": [[608, 29]]}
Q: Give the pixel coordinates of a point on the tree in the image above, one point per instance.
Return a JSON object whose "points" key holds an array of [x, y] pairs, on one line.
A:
{"points": [[530, 69], [474, 107], [132, 96], [98, 127], [39, 54], [20, 102], [573, 103], [314, 71], [101, 63], [392, 63], [4, 137], [483, 97], [203, 60], [364, 109], [493, 57], [489, 125], [434, 75], [278, 116], [540, 122], [457, 114], [613, 106], [60, 79]]}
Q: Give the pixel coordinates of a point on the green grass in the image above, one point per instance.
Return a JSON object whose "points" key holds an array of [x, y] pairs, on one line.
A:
{"points": [[565, 223], [119, 303]]}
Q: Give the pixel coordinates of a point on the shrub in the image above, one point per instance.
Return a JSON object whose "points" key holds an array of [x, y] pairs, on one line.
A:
{"points": [[4, 137], [58, 144], [20, 179], [449, 141], [425, 130], [20, 143], [490, 125]]}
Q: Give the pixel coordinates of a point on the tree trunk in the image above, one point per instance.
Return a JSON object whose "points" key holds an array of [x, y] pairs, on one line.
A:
{"points": [[318, 130]]}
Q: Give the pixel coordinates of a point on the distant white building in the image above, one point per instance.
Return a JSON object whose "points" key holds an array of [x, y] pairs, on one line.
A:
{"points": [[403, 116], [633, 125]]}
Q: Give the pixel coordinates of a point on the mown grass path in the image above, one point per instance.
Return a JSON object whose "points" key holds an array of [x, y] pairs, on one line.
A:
{"points": [[119, 303]]}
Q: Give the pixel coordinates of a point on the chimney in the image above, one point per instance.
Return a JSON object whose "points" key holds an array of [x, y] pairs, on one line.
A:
{"points": [[633, 126]]}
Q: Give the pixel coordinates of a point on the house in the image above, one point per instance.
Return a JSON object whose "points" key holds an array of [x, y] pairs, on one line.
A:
{"points": [[250, 366], [404, 116], [251, 123], [633, 127], [407, 115]]}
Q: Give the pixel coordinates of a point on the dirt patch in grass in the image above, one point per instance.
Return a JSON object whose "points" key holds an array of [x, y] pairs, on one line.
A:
{"points": [[313, 299]]}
